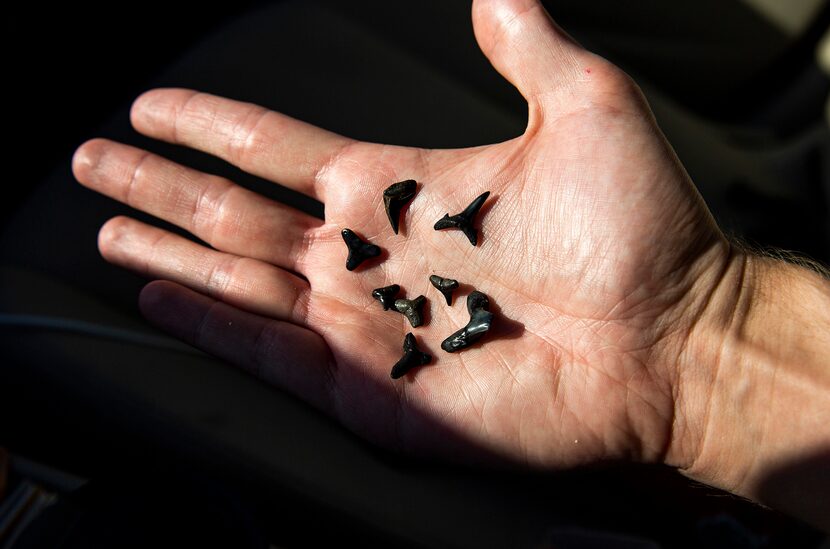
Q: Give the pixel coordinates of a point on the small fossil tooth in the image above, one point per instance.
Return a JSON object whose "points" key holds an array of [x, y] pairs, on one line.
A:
{"points": [[412, 357], [480, 321], [387, 295], [477, 300], [464, 220], [444, 285], [411, 309], [359, 250], [395, 198]]}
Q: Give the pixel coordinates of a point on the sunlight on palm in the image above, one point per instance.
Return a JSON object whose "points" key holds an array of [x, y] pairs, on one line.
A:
{"points": [[590, 243]]}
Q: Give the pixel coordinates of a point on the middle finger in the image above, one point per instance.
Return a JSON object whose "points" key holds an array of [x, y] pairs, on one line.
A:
{"points": [[228, 217], [243, 282]]}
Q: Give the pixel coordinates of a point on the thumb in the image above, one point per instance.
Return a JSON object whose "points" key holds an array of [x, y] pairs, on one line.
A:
{"points": [[525, 45]]}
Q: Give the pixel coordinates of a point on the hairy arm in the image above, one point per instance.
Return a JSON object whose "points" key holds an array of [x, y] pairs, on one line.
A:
{"points": [[755, 388]]}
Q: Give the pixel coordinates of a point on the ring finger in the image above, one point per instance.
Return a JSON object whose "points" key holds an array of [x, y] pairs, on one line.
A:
{"points": [[249, 284], [226, 216]]}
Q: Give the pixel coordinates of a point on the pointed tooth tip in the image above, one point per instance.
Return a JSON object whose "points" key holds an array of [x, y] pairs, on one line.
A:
{"points": [[480, 199]]}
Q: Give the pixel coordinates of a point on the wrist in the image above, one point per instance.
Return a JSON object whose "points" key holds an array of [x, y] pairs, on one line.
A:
{"points": [[690, 357], [704, 368], [752, 385]]}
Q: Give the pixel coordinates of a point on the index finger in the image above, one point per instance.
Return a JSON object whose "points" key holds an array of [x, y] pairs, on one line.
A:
{"points": [[260, 141]]}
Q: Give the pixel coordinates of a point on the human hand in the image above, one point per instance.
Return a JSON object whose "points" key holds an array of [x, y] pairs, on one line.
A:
{"points": [[595, 248]]}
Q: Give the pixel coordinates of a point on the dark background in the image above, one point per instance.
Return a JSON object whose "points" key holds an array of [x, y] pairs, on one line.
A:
{"points": [[736, 97], [69, 69]]}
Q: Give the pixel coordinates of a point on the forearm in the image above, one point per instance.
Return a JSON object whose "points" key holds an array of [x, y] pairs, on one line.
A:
{"points": [[754, 388]]}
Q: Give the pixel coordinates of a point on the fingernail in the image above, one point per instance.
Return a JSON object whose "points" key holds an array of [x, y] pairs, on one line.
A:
{"points": [[86, 159]]}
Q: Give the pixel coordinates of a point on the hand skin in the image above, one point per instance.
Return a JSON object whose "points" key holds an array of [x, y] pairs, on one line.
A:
{"points": [[757, 383], [636, 330]]}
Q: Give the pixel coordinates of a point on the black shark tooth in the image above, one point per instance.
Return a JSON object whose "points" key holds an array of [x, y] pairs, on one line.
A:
{"points": [[387, 295], [480, 321], [395, 198], [444, 285], [464, 220], [359, 250], [411, 309], [412, 357]]}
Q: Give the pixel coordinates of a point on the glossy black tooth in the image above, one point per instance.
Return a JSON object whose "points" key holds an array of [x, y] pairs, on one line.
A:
{"points": [[477, 300], [411, 309], [464, 220], [359, 250], [387, 295], [395, 198], [480, 321], [444, 285], [412, 357]]}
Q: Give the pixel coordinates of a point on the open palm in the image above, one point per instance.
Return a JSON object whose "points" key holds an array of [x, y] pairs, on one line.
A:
{"points": [[590, 246]]}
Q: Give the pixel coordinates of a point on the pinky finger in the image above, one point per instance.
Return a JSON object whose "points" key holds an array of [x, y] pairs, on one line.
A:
{"points": [[280, 353]]}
